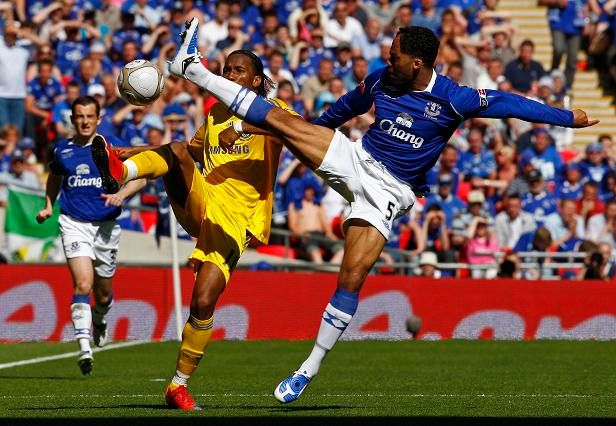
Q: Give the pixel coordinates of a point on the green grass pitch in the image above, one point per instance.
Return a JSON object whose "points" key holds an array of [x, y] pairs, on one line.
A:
{"points": [[368, 378]]}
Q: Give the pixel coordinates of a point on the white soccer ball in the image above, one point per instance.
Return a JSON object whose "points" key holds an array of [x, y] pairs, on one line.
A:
{"points": [[140, 82]]}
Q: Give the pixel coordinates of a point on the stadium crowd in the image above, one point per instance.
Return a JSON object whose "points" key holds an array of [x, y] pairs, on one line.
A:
{"points": [[500, 185]]}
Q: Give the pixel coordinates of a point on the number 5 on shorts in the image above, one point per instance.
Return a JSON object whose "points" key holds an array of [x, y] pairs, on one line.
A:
{"points": [[390, 210]]}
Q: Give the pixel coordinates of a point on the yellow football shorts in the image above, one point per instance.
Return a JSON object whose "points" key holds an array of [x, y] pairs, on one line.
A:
{"points": [[221, 240]]}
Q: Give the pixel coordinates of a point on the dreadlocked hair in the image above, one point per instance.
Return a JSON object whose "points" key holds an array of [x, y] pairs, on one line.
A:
{"points": [[266, 83]]}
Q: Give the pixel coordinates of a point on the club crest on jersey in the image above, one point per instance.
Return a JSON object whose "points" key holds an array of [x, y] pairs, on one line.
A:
{"points": [[483, 98], [432, 110], [82, 169], [362, 87], [404, 119]]}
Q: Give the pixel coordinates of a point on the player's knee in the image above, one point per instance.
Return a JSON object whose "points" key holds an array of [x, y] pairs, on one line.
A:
{"points": [[203, 305], [83, 287]]}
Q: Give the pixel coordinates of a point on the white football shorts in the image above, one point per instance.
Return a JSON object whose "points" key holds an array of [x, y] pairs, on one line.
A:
{"points": [[97, 240], [376, 196]]}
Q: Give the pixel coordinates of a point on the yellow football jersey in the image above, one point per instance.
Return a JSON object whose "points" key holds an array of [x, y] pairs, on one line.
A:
{"points": [[243, 177]]}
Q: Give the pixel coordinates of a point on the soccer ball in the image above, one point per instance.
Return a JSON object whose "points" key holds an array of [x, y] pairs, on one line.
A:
{"points": [[140, 82]]}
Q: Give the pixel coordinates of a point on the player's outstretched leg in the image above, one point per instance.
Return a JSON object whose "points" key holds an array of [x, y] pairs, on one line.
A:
{"points": [[82, 318]]}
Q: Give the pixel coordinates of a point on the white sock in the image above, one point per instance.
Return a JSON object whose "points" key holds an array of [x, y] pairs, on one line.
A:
{"points": [[131, 170], [84, 344], [235, 97], [333, 324], [81, 316], [180, 378]]}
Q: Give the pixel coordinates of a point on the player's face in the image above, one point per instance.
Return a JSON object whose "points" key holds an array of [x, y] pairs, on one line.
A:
{"points": [[85, 120], [402, 66], [239, 69]]}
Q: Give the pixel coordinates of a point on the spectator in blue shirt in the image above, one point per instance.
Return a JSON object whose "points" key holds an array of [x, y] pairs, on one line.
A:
{"points": [[368, 45], [570, 188], [523, 70], [357, 74], [42, 94], [447, 164], [594, 166], [567, 19], [381, 60], [428, 15], [61, 113], [543, 155], [70, 50], [538, 201], [449, 203], [478, 160], [343, 63]]}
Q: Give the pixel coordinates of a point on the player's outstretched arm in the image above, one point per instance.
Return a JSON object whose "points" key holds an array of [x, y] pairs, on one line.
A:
{"points": [[580, 119], [470, 103]]}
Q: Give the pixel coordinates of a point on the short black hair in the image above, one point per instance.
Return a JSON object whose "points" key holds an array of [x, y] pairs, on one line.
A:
{"points": [[266, 83], [86, 100], [419, 42]]}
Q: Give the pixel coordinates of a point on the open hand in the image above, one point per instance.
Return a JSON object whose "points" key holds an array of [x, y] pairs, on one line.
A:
{"points": [[113, 199], [580, 119]]}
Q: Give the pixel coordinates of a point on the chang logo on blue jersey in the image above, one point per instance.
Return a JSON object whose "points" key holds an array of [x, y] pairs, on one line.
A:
{"points": [[425, 120], [80, 197]]}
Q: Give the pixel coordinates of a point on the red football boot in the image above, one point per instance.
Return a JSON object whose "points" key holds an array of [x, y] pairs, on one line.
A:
{"points": [[180, 398], [109, 166]]}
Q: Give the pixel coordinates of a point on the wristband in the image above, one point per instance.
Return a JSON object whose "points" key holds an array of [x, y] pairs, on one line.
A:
{"points": [[237, 126]]}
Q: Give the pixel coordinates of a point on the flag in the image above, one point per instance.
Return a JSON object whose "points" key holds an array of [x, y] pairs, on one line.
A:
{"points": [[28, 241]]}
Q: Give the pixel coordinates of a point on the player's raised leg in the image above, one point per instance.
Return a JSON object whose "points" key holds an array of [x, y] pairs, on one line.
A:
{"points": [[83, 274], [363, 245], [309, 143]]}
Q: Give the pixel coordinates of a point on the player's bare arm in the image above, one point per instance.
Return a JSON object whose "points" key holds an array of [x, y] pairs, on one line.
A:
{"points": [[54, 182]]}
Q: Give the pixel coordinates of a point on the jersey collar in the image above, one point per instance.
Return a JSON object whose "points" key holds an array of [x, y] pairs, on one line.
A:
{"points": [[430, 85]]}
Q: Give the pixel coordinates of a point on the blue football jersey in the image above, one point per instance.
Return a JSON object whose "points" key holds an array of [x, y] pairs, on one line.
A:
{"points": [[411, 128], [80, 196], [539, 205]]}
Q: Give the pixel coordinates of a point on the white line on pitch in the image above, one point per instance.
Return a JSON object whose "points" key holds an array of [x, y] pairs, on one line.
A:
{"points": [[233, 395], [40, 359]]}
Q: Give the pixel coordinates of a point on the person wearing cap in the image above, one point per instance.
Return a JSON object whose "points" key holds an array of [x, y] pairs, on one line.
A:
{"points": [[512, 222], [341, 28], [543, 155], [594, 165], [106, 127], [538, 201], [20, 173], [175, 120], [343, 63], [569, 186], [101, 63], [89, 232], [133, 127], [449, 202], [476, 201], [428, 265]]}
